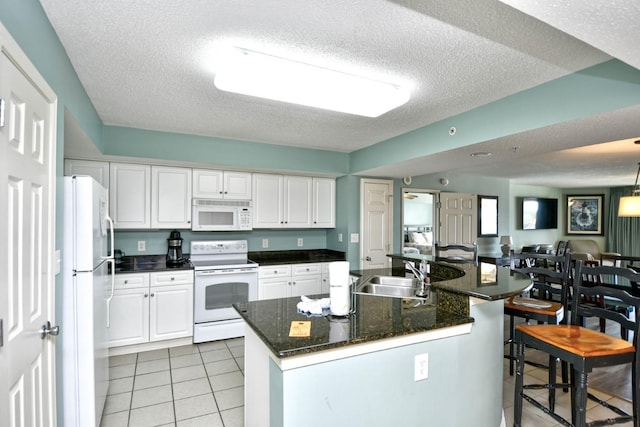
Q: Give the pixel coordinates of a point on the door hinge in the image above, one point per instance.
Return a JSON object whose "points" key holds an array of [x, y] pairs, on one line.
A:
{"points": [[1, 333], [1, 113], [438, 205]]}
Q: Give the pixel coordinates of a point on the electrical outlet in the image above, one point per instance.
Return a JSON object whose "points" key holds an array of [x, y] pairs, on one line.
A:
{"points": [[300, 242], [142, 246], [339, 237], [422, 367], [355, 237], [265, 243]]}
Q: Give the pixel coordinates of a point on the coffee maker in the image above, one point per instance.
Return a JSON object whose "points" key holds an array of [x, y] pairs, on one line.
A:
{"points": [[174, 254]]}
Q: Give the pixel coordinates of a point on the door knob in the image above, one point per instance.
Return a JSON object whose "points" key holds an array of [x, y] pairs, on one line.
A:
{"points": [[368, 258], [47, 329]]}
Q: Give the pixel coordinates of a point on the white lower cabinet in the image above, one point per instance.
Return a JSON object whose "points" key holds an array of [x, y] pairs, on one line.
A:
{"points": [[149, 307], [289, 280]]}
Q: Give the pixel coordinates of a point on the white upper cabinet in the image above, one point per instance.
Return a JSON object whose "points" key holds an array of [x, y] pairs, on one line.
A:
{"points": [[130, 195], [98, 170], [215, 184], [324, 203], [293, 202], [267, 201], [170, 197], [297, 201]]}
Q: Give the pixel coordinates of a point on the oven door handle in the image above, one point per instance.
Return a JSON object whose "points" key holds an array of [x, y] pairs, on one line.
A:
{"points": [[226, 271]]}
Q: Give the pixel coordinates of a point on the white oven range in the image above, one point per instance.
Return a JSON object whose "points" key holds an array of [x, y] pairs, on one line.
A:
{"points": [[223, 276]]}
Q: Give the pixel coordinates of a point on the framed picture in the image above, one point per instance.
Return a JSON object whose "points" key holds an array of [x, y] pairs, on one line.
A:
{"points": [[585, 214]]}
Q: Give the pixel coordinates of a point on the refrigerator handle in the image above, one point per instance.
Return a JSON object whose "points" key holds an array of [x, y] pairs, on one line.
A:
{"points": [[111, 234], [113, 284]]}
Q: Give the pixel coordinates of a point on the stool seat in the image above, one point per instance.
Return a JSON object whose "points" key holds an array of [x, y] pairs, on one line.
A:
{"points": [[578, 340], [535, 307]]}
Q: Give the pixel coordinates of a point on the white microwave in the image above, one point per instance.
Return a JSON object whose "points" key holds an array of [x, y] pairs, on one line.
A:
{"points": [[221, 215]]}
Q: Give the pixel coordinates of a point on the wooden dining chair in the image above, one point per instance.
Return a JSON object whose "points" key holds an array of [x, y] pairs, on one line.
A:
{"points": [[457, 253], [583, 348], [546, 302]]}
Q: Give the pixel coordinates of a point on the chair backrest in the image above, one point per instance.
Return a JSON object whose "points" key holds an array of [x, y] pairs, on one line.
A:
{"points": [[457, 253], [614, 282], [562, 247], [549, 274]]}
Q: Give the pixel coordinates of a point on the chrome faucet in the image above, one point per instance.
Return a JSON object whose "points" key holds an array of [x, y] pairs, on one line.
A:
{"points": [[423, 289]]}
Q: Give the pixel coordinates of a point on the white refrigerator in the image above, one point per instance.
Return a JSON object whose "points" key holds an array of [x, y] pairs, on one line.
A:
{"points": [[87, 291]]}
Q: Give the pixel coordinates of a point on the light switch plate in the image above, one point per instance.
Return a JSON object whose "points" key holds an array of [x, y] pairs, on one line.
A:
{"points": [[355, 237]]}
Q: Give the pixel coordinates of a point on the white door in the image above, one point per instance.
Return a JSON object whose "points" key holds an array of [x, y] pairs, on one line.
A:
{"points": [[27, 194], [458, 219], [376, 222]]}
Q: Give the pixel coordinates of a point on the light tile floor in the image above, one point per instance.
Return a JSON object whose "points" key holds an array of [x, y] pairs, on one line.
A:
{"points": [[203, 385], [189, 386]]}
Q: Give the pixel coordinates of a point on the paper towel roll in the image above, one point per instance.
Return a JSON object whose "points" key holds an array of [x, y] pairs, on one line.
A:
{"points": [[339, 291]]}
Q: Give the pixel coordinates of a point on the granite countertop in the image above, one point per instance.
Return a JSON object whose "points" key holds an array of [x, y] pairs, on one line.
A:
{"points": [[375, 318], [484, 281], [149, 263], [378, 317], [296, 256]]}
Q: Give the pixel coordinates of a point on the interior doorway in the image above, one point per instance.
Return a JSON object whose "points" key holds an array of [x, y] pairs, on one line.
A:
{"points": [[419, 220]]}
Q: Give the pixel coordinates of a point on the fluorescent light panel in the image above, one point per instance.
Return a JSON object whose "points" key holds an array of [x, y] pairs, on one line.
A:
{"points": [[265, 76]]}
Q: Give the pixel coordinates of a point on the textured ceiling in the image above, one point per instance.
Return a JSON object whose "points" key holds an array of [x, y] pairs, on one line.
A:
{"points": [[150, 64]]}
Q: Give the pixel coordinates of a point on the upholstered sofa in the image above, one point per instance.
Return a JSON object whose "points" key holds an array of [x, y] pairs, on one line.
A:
{"points": [[586, 249]]}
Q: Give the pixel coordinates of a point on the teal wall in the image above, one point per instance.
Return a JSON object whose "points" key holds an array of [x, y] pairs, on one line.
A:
{"points": [[605, 87]]}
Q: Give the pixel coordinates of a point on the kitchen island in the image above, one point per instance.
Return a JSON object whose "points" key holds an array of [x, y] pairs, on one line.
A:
{"points": [[361, 370]]}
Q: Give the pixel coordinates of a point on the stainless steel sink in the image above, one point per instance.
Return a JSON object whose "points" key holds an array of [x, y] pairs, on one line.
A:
{"points": [[389, 286], [393, 281]]}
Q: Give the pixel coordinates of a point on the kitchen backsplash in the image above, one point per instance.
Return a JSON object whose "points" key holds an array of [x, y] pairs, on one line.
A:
{"points": [[155, 242]]}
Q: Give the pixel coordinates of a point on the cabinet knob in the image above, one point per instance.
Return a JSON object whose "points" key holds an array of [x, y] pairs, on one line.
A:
{"points": [[153, 295], [126, 281], [146, 295], [173, 278], [294, 283]]}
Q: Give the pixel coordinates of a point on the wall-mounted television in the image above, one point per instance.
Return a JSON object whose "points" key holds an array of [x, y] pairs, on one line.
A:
{"points": [[539, 213]]}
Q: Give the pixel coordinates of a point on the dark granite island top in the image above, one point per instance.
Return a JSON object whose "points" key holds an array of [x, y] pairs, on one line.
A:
{"points": [[375, 318], [484, 281]]}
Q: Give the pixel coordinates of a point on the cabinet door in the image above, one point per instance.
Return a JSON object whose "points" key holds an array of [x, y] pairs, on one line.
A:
{"points": [[237, 185], [274, 288], [171, 312], [297, 201], [208, 184], [129, 195], [267, 201], [98, 170], [170, 197], [129, 317], [324, 203], [324, 286], [306, 285]]}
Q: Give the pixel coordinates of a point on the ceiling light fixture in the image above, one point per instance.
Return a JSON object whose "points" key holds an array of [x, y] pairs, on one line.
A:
{"points": [[630, 205], [256, 74], [480, 154]]}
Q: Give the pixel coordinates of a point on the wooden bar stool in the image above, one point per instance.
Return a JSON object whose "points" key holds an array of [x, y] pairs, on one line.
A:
{"points": [[547, 302], [584, 349]]}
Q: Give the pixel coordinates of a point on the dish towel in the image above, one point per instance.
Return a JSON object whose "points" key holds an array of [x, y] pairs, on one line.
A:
{"points": [[313, 306]]}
